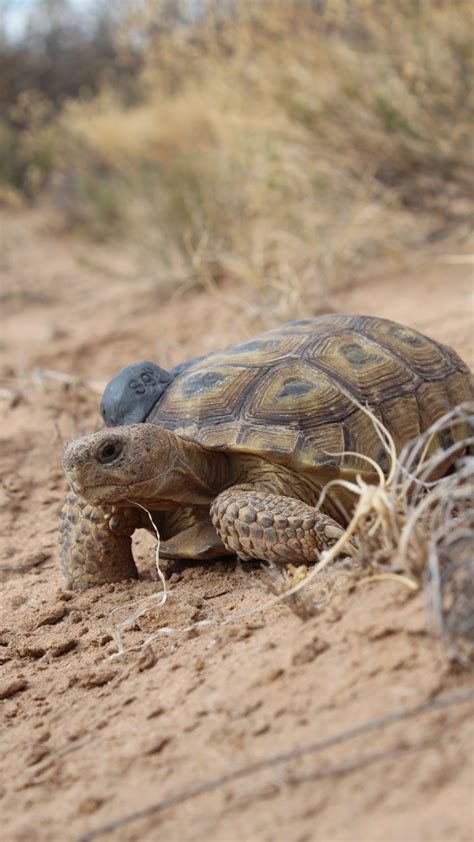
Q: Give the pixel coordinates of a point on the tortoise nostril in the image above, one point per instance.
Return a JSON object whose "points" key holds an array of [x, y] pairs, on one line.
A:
{"points": [[109, 451]]}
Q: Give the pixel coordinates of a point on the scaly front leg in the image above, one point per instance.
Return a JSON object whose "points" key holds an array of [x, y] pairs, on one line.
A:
{"points": [[95, 543], [258, 524]]}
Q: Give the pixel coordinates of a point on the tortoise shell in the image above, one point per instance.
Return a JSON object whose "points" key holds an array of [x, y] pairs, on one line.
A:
{"points": [[287, 395]]}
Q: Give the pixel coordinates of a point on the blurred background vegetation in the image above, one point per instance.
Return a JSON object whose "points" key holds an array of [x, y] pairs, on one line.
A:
{"points": [[276, 142]]}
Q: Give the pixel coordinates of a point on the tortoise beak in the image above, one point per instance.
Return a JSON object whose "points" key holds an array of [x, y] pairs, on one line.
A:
{"points": [[83, 459], [101, 467], [71, 466]]}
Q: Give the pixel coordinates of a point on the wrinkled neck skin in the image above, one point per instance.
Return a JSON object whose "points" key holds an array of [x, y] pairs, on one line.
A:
{"points": [[192, 477]]}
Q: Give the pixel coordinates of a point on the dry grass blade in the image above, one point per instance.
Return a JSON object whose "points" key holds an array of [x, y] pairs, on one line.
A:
{"points": [[39, 375]]}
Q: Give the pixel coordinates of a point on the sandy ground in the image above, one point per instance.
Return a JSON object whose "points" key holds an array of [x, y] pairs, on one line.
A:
{"points": [[86, 739]]}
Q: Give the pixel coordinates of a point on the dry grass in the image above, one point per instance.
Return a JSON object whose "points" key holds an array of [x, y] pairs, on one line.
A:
{"points": [[280, 144], [413, 526]]}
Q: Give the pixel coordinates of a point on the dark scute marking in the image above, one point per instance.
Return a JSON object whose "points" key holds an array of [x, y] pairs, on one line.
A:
{"points": [[254, 345], [294, 388], [357, 355], [201, 381], [406, 336]]}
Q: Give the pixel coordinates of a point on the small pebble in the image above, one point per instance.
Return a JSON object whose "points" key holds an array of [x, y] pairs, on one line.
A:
{"points": [[156, 745], [63, 647], [52, 615]]}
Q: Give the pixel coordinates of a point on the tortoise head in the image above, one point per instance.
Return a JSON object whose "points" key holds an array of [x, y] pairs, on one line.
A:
{"points": [[132, 393], [126, 462], [140, 463]]}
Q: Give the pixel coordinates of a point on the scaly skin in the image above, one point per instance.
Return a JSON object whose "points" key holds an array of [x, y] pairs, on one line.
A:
{"points": [[95, 543], [258, 524]]}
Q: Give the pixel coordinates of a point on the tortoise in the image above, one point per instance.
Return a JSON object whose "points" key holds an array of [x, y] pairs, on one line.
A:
{"points": [[232, 456]]}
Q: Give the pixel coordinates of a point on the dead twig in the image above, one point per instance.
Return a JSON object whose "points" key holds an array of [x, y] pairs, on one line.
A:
{"points": [[292, 754], [357, 763], [39, 375]]}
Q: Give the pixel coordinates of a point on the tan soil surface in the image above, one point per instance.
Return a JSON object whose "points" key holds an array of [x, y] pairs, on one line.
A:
{"points": [[86, 739]]}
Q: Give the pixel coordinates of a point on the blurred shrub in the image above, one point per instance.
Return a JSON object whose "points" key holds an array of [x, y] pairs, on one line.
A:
{"points": [[29, 141], [62, 54], [279, 143]]}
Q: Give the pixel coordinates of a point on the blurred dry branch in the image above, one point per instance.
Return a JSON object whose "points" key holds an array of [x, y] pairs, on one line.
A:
{"points": [[449, 572]]}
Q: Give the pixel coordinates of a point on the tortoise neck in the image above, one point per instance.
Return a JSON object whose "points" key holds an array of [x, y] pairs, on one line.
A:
{"points": [[209, 467], [196, 475]]}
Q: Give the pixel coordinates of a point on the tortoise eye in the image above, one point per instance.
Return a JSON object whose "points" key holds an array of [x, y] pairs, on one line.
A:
{"points": [[109, 452]]}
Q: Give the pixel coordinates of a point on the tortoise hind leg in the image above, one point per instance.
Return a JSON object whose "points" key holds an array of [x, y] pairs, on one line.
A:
{"points": [[258, 524], [95, 543]]}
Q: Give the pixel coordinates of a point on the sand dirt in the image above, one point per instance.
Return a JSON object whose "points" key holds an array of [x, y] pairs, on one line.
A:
{"points": [[86, 739]]}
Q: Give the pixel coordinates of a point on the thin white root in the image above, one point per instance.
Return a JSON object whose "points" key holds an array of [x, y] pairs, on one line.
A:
{"points": [[147, 603], [159, 571]]}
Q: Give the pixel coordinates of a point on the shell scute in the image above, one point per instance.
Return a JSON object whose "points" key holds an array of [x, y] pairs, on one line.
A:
{"points": [[424, 356], [361, 366], [204, 395], [265, 350]]}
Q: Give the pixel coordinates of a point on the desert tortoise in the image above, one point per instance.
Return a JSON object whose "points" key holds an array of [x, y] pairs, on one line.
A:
{"points": [[234, 454]]}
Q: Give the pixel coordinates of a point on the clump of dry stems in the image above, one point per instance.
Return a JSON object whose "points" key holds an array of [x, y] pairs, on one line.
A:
{"points": [[416, 527]]}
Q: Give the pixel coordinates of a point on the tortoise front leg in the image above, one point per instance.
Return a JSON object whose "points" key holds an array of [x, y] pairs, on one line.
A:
{"points": [[258, 524], [95, 543]]}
